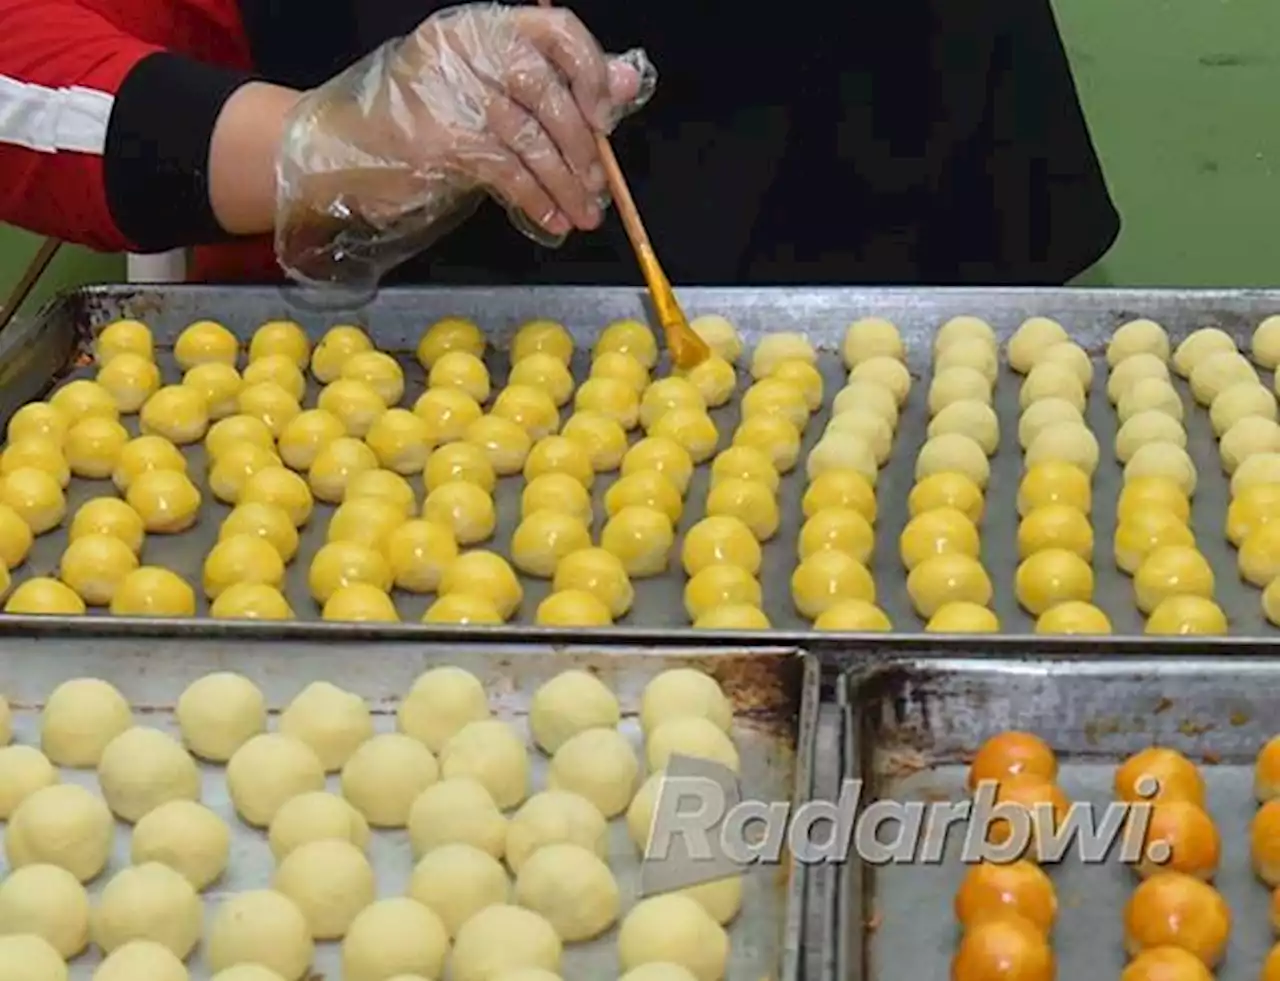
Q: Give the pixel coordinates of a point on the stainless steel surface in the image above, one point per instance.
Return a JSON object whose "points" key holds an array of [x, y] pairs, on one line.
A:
{"points": [[913, 724], [774, 691], [29, 357]]}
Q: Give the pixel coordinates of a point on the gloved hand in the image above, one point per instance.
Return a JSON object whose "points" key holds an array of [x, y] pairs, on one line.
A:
{"points": [[383, 159]]}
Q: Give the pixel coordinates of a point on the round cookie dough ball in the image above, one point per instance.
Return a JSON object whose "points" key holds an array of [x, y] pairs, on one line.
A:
{"points": [[555, 817], [673, 929], [1148, 427], [889, 373], [660, 971], [316, 816], [957, 384], [253, 972], [440, 703], [681, 693], [953, 453], [187, 837], [870, 337], [395, 936], [975, 354], [1258, 468], [148, 902], [1034, 336], [456, 882], [569, 703], [260, 927], [963, 328], [1130, 371], [268, 770], [49, 902], [140, 959], [79, 719], [143, 768], [1137, 337], [458, 810], [600, 765], [722, 899], [1199, 346], [977, 420], [1212, 377], [640, 812], [1070, 355], [691, 737], [501, 938], [1051, 381], [6, 714], [1265, 344], [1065, 442], [23, 771], [1163, 460], [1240, 401], [219, 713], [1248, 437], [331, 721], [331, 881], [1147, 394], [1039, 416], [492, 753], [26, 957], [572, 888], [63, 825], [385, 776]]}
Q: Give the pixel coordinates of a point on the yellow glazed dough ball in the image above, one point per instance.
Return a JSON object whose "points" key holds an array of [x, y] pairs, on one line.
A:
{"points": [[281, 338], [826, 578], [367, 521], [599, 573], [123, 337], [251, 601], [544, 538], [962, 617], [612, 397], [1138, 337], [871, 337], [342, 563], [748, 463], [691, 428], [315, 816], [460, 462], [330, 881], [673, 929], [95, 565], [269, 522], [742, 616], [187, 837], [1148, 427], [530, 408], [241, 559], [177, 413], [1254, 507], [938, 532], [629, 337], [1055, 526], [948, 578], [206, 341], [572, 887], [166, 500], [572, 608], [456, 882], [501, 938], [261, 927], [977, 420], [449, 334], [353, 403], [1054, 482], [1065, 442], [841, 528], [219, 713], [484, 573], [1152, 493], [1050, 577], [601, 436], [37, 454], [598, 764], [773, 397], [645, 488], [82, 398], [840, 488], [335, 347], [953, 452], [419, 552], [619, 367], [666, 395], [773, 435], [93, 447], [749, 501], [641, 538], [279, 369], [1187, 616], [661, 454], [306, 434], [1073, 618], [381, 373], [853, 615], [1171, 570], [1199, 346], [542, 337], [100, 516], [268, 770], [719, 334], [400, 440], [130, 379], [150, 591], [143, 768], [456, 811], [447, 413], [1142, 533], [945, 490], [464, 508], [1259, 555], [336, 465], [462, 371], [716, 380], [720, 540], [44, 596], [504, 442], [1030, 340], [35, 497]]}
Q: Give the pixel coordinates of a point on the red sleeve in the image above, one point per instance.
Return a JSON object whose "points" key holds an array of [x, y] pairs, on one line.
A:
{"points": [[104, 139]]}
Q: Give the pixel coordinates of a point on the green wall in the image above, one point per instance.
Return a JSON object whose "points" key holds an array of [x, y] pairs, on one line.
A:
{"points": [[1182, 99]]}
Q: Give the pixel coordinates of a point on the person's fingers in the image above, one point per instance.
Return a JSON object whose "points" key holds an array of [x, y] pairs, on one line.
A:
{"points": [[524, 136], [506, 177], [570, 47], [624, 82], [541, 93]]}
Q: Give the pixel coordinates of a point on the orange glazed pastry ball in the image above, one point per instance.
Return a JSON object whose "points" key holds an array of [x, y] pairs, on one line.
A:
{"points": [[1005, 949], [1012, 754], [993, 890], [1029, 791], [1266, 773], [1271, 966], [1175, 910], [1188, 838], [1169, 964], [1168, 776], [1265, 843]]}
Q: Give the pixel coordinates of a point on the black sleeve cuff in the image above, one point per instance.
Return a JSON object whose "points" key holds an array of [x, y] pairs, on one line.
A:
{"points": [[156, 160]]}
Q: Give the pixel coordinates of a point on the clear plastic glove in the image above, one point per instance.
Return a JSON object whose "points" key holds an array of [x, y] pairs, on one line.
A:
{"points": [[382, 160]]}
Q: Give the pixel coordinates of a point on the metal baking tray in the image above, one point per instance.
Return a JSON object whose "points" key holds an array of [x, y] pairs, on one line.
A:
{"points": [[37, 354], [913, 723], [775, 693]]}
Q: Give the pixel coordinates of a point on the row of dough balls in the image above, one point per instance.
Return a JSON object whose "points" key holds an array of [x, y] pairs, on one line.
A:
{"points": [[323, 888]]}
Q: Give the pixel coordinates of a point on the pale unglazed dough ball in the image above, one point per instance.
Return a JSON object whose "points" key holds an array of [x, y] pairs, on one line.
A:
{"points": [[1259, 468], [1132, 370], [49, 902], [1065, 442], [1051, 381], [63, 825], [1248, 437], [572, 888], [975, 354], [954, 453], [694, 738], [640, 813], [456, 882], [1147, 394], [889, 373], [1138, 337], [569, 703], [441, 702], [143, 768], [23, 771], [684, 692], [316, 816], [1030, 340], [1148, 427], [492, 753], [460, 810], [6, 721], [1162, 460], [865, 425], [555, 817], [148, 902], [660, 971], [331, 721], [722, 899], [79, 719], [963, 328], [601, 766], [519, 974], [1265, 343], [1070, 355], [1240, 401], [1213, 376], [219, 713], [26, 957], [330, 881], [956, 385], [776, 348], [187, 837], [870, 337], [977, 420], [843, 451], [268, 770], [260, 927], [1040, 415], [673, 929], [394, 936], [867, 395], [719, 334], [1199, 346], [385, 776], [141, 959], [250, 972], [501, 938]]}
